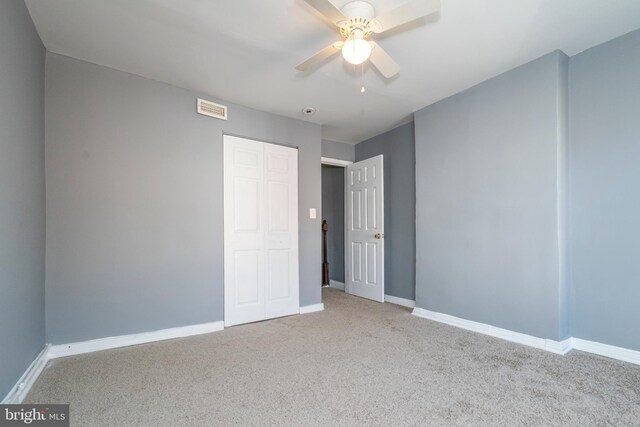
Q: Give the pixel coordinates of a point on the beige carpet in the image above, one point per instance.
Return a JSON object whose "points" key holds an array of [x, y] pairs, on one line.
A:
{"points": [[356, 363]]}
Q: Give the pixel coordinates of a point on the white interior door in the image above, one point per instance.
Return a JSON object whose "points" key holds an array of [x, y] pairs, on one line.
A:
{"points": [[364, 243], [260, 231]]}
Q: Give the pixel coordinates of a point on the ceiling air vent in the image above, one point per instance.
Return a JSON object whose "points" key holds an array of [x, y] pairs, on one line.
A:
{"points": [[212, 109]]}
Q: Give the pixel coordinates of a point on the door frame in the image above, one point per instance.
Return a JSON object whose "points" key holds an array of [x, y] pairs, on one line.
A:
{"points": [[343, 164], [335, 162], [329, 161]]}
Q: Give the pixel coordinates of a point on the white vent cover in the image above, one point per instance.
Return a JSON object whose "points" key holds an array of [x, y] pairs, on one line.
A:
{"points": [[212, 109]]}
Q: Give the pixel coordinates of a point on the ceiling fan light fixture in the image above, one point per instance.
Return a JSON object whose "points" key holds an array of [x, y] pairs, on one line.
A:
{"points": [[356, 50], [357, 21]]}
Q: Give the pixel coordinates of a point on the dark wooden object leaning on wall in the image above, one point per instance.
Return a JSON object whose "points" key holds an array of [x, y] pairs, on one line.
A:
{"points": [[325, 262]]}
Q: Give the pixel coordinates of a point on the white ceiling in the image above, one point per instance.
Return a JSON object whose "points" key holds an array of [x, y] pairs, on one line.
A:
{"points": [[245, 51]]}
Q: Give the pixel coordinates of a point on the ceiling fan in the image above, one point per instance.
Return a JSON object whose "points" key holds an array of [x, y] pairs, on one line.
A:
{"points": [[357, 22]]}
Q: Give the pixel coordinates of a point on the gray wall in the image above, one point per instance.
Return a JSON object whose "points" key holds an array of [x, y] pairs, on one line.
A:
{"points": [[134, 193], [398, 148], [605, 201], [22, 200], [338, 150], [487, 209], [333, 213]]}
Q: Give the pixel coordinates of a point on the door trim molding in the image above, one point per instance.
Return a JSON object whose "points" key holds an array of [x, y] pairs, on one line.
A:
{"points": [[335, 162]]}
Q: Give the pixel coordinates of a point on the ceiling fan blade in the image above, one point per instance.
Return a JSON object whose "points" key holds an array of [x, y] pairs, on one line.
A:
{"points": [[409, 11], [319, 57], [328, 9], [383, 62]]}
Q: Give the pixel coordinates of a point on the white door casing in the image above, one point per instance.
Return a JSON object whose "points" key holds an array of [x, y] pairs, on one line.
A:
{"points": [[260, 231], [364, 243]]}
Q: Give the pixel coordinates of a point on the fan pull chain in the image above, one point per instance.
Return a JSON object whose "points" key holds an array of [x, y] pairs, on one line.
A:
{"points": [[362, 90]]}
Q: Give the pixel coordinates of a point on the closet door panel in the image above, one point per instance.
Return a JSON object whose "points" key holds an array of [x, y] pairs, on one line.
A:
{"points": [[261, 231], [281, 189], [243, 231]]}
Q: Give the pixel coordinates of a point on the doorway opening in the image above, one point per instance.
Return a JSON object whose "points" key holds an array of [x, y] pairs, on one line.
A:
{"points": [[353, 226], [333, 226]]}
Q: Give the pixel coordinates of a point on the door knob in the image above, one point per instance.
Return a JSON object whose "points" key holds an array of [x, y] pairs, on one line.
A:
{"points": [[378, 236]]}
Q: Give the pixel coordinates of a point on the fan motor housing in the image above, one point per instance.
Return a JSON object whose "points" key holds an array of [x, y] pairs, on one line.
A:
{"points": [[359, 9], [360, 14]]}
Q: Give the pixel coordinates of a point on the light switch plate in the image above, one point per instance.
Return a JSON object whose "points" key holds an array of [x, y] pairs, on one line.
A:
{"points": [[312, 213]]}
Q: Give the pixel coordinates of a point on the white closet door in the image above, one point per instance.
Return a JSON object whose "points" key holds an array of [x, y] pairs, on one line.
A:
{"points": [[243, 231], [281, 239], [260, 231]]}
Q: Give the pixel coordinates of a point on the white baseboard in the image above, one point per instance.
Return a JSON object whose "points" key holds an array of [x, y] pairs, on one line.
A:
{"points": [[62, 350], [17, 394], [606, 350], [400, 301], [311, 308], [558, 347], [19, 391], [336, 284]]}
